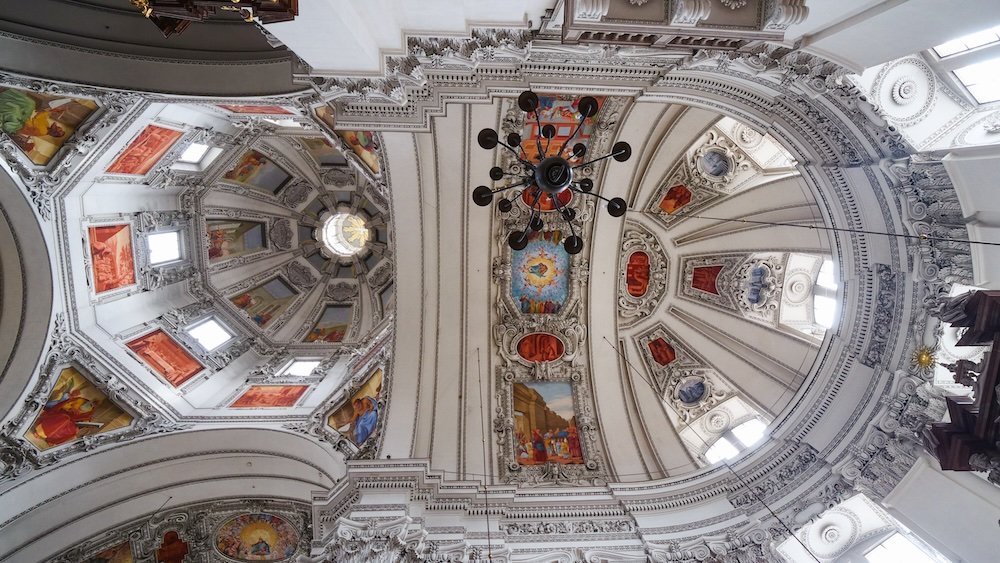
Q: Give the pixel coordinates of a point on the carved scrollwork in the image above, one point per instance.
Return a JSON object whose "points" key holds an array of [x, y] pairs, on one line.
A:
{"points": [[280, 234]]}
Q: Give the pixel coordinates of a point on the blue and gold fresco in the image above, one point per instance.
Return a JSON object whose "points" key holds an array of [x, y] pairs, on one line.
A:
{"points": [[540, 280]]}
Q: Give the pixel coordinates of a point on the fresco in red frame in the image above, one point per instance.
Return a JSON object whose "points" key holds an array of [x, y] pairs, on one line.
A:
{"points": [[145, 151], [663, 352], [540, 347], [545, 201], [704, 278], [111, 257], [637, 274], [166, 357], [676, 197], [270, 396]]}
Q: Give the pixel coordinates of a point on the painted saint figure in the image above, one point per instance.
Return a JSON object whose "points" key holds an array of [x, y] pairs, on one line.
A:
{"points": [[364, 420]]}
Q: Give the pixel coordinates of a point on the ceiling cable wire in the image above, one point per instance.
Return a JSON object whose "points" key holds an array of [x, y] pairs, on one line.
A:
{"points": [[725, 462], [486, 467], [821, 227]]}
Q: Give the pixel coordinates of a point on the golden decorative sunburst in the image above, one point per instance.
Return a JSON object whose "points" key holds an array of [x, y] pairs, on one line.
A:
{"points": [[355, 231], [923, 359], [540, 271]]}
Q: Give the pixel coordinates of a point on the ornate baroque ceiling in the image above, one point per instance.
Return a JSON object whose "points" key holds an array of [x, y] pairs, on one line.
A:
{"points": [[384, 388]]}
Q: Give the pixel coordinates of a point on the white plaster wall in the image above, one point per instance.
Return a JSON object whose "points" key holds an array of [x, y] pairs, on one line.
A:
{"points": [[955, 511]]}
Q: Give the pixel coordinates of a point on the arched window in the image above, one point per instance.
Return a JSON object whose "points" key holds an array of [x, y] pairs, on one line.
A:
{"points": [[735, 440]]}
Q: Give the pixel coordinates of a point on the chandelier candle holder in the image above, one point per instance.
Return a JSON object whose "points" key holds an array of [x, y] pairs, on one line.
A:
{"points": [[551, 175]]}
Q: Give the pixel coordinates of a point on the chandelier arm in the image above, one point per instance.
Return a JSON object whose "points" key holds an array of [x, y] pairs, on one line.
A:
{"points": [[609, 155], [575, 131], [559, 209], [519, 159], [579, 191], [505, 188]]}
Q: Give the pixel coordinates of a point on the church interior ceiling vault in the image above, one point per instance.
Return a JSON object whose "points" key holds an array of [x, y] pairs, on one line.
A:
{"points": [[281, 316]]}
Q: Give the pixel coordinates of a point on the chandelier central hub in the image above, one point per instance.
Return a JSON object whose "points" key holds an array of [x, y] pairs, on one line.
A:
{"points": [[553, 175]]}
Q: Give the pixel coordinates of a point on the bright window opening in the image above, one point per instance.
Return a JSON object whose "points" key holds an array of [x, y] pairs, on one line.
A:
{"points": [[720, 450], [968, 42], [824, 310], [826, 278], [164, 247], [194, 154], [898, 548], [750, 432], [210, 334], [982, 80], [345, 234], [301, 368]]}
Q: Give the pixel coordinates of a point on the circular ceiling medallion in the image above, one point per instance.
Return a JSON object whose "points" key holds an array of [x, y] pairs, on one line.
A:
{"points": [[343, 234]]}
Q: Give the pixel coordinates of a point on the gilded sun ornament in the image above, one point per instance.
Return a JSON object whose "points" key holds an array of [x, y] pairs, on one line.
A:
{"points": [[923, 359]]}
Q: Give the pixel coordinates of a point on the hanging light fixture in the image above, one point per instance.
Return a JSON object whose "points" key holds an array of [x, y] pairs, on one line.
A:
{"points": [[548, 175]]}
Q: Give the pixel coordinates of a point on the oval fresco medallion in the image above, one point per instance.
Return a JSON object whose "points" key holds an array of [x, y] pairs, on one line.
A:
{"points": [[540, 347], [691, 391], [257, 537], [637, 274]]}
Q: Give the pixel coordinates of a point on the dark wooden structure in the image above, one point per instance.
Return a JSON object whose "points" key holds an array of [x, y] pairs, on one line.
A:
{"points": [[174, 16], [974, 421]]}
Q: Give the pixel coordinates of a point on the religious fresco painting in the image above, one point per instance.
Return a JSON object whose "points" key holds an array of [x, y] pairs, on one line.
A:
{"points": [[540, 280], [269, 396], [40, 124], [111, 257], [228, 239], [663, 353], [145, 151], [266, 301], [268, 110], [545, 423], [74, 409], [166, 357], [332, 325], [705, 278], [691, 390], [327, 116], [322, 151], [172, 549], [257, 537], [257, 170], [563, 115], [676, 197], [121, 553], [540, 347], [363, 144], [357, 418], [637, 274]]}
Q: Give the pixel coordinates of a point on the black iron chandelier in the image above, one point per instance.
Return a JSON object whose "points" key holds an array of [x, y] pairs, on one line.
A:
{"points": [[550, 175]]}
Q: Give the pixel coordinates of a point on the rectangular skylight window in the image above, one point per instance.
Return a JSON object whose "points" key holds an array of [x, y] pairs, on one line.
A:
{"points": [[720, 450], [825, 277], [301, 368], [194, 153], [824, 310], [750, 432], [982, 80], [968, 42], [210, 334], [897, 548], [164, 247]]}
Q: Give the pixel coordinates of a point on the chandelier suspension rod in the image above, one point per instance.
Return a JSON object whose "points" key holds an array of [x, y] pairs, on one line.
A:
{"points": [[597, 195], [505, 188], [538, 136]]}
